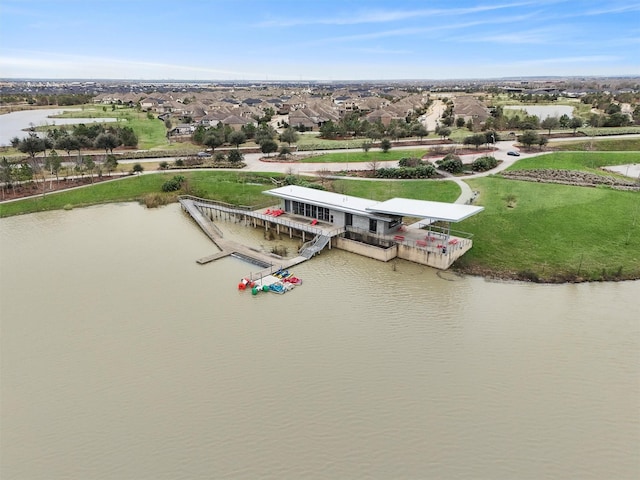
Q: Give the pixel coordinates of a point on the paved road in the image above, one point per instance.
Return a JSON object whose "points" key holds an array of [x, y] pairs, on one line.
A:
{"points": [[254, 164]]}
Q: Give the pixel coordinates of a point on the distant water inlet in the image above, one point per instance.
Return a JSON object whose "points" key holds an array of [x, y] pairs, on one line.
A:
{"points": [[15, 124], [544, 111]]}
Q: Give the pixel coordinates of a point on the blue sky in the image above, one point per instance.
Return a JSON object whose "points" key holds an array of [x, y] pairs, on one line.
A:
{"points": [[317, 40]]}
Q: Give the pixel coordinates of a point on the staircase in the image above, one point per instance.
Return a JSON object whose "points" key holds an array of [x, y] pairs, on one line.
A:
{"points": [[312, 247]]}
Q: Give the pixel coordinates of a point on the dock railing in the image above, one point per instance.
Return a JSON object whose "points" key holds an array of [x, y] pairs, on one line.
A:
{"points": [[436, 239]]}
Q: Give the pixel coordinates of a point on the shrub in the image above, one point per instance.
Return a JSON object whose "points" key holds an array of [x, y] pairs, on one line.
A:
{"points": [[235, 156], [421, 171], [163, 165], [483, 164], [174, 184], [451, 163], [179, 162], [409, 162]]}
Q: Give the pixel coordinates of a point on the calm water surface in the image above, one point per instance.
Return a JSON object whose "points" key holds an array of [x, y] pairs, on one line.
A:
{"points": [[14, 124], [544, 111], [123, 358]]}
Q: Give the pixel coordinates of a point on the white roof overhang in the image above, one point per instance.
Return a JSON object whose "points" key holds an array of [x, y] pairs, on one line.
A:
{"points": [[448, 212]]}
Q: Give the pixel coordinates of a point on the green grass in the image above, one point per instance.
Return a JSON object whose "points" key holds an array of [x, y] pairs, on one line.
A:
{"points": [[555, 232], [370, 156], [582, 161], [228, 187], [599, 145], [312, 141], [603, 131], [550, 232], [151, 132], [238, 188], [384, 190]]}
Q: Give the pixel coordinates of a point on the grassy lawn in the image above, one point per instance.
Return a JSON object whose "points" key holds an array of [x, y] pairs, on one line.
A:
{"points": [[601, 145], [151, 132], [238, 188], [554, 232], [583, 161], [370, 156], [231, 187], [384, 190]]}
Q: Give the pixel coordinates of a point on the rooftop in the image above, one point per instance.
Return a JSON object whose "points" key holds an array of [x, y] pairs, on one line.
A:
{"points": [[449, 212]]}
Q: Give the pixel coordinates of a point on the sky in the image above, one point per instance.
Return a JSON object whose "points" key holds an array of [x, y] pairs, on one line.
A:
{"points": [[324, 40]]}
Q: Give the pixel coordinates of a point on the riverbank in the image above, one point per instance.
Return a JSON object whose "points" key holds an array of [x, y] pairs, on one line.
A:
{"points": [[528, 231]]}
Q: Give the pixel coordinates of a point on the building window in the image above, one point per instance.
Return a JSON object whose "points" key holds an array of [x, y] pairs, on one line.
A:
{"points": [[373, 225]]}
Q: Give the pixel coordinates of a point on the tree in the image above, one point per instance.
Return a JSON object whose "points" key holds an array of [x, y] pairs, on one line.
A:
{"points": [[385, 145], [477, 140], [328, 130], [550, 123], [67, 143], [32, 145], [575, 124], [6, 174], [213, 139], [53, 164], [373, 166], [460, 122], [249, 130], [111, 163], [235, 156], [128, 137], [542, 141], [263, 133], [419, 131], [529, 137], [491, 137], [289, 135], [268, 146], [236, 138], [137, 168], [444, 132], [107, 142], [366, 146], [199, 134], [89, 166]]}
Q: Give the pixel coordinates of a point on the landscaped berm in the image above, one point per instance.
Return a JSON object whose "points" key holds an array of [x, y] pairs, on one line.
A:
{"points": [[367, 227]]}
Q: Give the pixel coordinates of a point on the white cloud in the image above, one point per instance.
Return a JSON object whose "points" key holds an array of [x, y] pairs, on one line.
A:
{"points": [[48, 65], [385, 16]]}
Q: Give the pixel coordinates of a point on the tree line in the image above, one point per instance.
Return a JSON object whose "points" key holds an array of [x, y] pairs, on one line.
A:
{"points": [[78, 138], [264, 135]]}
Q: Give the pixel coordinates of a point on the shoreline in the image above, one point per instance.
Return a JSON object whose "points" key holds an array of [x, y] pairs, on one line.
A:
{"points": [[527, 277]]}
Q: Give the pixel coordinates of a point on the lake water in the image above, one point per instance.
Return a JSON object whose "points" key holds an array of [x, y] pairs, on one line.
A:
{"points": [[544, 111], [123, 358], [14, 124]]}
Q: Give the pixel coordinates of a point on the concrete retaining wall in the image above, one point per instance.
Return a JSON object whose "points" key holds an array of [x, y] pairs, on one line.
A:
{"points": [[382, 254]]}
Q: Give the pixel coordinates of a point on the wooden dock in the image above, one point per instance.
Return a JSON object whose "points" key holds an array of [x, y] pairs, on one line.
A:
{"points": [[268, 263]]}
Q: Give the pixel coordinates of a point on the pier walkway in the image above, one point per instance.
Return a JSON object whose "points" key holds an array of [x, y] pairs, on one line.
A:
{"points": [[270, 263]]}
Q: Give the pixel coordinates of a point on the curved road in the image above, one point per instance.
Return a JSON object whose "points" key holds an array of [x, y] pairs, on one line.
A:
{"points": [[254, 164]]}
